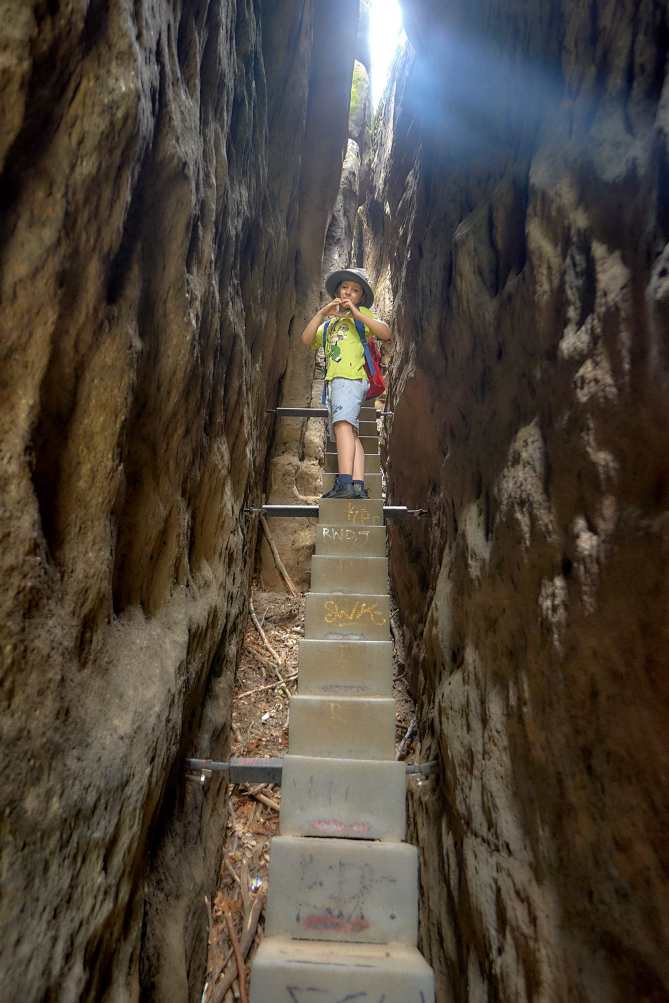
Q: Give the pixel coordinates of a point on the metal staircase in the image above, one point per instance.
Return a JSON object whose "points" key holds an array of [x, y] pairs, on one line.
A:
{"points": [[342, 915]]}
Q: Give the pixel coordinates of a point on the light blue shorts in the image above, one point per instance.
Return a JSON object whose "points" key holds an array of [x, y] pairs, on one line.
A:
{"points": [[345, 398]]}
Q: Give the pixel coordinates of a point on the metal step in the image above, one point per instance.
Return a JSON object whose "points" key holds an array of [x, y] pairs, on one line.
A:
{"points": [[299, 971], [356, 541], [347, 798], [349, 575], [369, 443], [356, 617], [343, 890], [372, 463], [345, 668], [342, 727], [350, 512]]}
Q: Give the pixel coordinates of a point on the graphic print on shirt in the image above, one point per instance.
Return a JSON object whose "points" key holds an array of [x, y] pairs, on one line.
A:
{"points": [[334, 340]]}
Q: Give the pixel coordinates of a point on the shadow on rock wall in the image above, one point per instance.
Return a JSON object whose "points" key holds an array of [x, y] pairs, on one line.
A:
{"points": [[519, 209], [158, 222]]}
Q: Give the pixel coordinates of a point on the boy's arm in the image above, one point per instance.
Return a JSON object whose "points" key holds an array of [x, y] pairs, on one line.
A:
{"points": [[309, 332], [378, 328]]}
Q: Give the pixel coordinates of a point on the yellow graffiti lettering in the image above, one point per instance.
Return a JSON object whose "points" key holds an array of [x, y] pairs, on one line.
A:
{"points": [[370, 612], [357, 514]]}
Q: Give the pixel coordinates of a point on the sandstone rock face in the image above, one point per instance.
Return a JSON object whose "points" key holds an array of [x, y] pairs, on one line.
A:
{"points": [[295, 473], [519, 215], [162, 224]]}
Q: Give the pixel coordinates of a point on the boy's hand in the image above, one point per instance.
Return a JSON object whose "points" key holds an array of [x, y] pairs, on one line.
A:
{"points": [[350, 305], [330, 309]]}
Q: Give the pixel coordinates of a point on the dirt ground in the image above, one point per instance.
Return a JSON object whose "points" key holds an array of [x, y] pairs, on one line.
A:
{"points": [[260, 728]]}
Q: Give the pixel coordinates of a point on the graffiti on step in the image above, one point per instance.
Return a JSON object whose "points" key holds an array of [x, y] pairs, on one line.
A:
{"points": [[342, 534], [358, 513], [334, 899], [309, 994], [334, 827], [359, 612]]}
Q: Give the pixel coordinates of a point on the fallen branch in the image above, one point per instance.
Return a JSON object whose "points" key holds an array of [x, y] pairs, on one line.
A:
{"points": [[269, 802], [269, 686], [279, 661], [280, 566], [263, 635], [239, 961], [244, 946]]}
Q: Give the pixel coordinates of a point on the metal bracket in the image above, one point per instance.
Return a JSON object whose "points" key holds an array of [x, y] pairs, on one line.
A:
{"points": [[263, 770]]}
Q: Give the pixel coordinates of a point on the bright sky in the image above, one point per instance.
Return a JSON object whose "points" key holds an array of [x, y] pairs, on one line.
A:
{"points": [[385, 34]]}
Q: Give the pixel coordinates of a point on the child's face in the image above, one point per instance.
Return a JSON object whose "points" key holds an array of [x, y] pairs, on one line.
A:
{"points": [[350, 290]]}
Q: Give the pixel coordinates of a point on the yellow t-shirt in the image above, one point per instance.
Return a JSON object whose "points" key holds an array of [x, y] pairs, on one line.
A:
{"points": [[344, 355]]}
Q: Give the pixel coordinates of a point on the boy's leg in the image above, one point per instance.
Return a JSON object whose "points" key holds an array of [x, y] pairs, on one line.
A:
{"points": [[358, 461], [344, 403], [346, 447]]}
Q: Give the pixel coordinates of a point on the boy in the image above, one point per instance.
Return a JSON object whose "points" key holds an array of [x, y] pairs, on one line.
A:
{"points": [[345, 376]]}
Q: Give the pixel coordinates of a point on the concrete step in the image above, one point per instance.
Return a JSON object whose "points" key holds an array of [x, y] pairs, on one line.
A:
{"points": [[291, 971], [372, 483], [348, 798], [360, 541], [350, 575], [372, 463], [349, 512], [368, 413], [346, 668], [359, 617], [370, 444], [342, 727], [343, 890]]}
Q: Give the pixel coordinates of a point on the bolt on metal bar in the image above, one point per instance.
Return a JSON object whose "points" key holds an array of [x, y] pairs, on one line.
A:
{"points": [[241, 770], [266, 770]]}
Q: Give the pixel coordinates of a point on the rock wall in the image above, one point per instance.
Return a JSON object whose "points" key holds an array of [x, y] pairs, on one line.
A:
{"points": [[162, 219], [296, 468], [519, 216]]}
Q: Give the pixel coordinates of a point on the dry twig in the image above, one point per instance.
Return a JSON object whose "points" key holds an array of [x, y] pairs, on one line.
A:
{"points": [[239, 961], [263, 635], [269, 802], [281, 568], [269, 686], [248, 935], [279, 662]]}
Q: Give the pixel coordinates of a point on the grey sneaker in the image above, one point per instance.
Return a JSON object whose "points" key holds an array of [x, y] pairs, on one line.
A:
{"points": [[360, 492]]}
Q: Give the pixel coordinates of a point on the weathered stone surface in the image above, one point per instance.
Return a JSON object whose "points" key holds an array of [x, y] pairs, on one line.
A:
{"points": [[519, 222], [346, 798], [297, 455], [352, 890], [162, 220], [285, 970], [339, 238]]}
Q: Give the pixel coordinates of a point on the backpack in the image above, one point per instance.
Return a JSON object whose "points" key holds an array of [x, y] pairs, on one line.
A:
{"points": [[372, 352]]}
